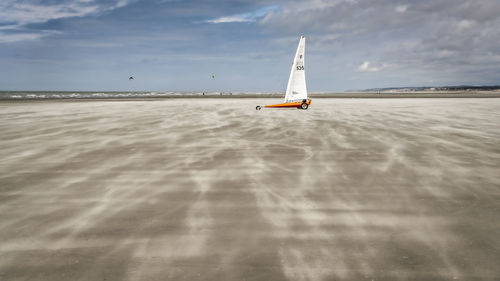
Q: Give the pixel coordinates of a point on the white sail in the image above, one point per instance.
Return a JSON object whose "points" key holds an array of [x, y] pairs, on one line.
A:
{"points": [[296, 89]]}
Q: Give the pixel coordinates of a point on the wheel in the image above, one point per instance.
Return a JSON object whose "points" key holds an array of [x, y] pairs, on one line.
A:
{"points": [[257, 107], [304, 106]]}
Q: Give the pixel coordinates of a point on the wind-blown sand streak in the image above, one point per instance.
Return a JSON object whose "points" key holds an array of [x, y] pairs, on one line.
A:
{"points": [[211, 189]]}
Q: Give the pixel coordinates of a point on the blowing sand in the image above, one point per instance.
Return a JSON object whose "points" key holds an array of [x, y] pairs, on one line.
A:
{"points": [[186, 189]]}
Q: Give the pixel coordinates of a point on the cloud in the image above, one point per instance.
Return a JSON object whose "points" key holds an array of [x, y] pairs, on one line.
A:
{"points": [[10, 38], [401, 8], [246, 17], [452, 40], [15, 16], [234, 18], [465, 24], [367, 67], [23, 14]]}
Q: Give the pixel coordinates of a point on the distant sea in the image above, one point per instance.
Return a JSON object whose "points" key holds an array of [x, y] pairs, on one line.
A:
{"points": [[40, 95], [100, 95]]}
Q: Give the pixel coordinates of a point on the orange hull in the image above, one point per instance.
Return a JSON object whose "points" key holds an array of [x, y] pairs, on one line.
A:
{"points": [[288, 104]]}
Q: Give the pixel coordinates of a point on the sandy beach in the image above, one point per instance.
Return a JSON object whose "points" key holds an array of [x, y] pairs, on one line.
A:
{"points": [[211, 189]]}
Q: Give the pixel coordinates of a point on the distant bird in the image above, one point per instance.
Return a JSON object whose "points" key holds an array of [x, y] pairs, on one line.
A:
{"points": [[131, 78]]}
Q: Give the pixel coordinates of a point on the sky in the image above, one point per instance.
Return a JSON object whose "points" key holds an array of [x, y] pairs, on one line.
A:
{"points": [[175, 45]]}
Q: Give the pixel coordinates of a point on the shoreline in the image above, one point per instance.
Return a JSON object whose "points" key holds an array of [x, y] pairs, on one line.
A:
{"points": [[352, 95]]}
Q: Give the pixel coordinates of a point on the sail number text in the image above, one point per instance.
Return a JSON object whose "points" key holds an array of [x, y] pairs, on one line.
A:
{"points": [[300, 67]]}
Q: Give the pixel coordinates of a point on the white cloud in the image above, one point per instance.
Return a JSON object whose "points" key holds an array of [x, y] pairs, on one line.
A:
{"points": [[465, 24], [17, 15], [23, 14], [367, 67], [235, 18], [246, 17], [16, 37], [10, 38], [121, 3], [401, 8], [446, 53]]}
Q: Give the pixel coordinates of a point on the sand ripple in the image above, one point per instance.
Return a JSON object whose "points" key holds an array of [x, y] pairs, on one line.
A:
{"points": [[211, 189]]}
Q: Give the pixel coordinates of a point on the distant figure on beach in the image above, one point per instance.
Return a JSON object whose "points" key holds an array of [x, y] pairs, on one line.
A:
{"points": [[131, 78]]}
